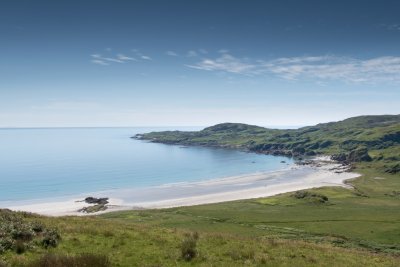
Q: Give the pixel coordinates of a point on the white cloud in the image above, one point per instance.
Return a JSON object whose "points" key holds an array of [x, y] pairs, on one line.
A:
{"points": [[317, 68], [123, 57], [113, 59], [99, 62], [107, 60], [171, 53], [225, 63], [145, 57], [380, 69]]}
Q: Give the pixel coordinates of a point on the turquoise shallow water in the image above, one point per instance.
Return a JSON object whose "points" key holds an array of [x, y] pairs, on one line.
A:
{"points": [[59, 162]]}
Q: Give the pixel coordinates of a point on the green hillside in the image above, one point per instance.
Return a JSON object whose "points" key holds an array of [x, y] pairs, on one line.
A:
{"points": [[363, 138]]}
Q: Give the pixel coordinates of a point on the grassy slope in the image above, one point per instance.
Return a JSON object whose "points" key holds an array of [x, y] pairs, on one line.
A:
{"points": [[358, 227], [131, 242]]}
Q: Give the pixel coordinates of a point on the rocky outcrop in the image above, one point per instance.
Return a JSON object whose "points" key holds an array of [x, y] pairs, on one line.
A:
{"points": [[282, 150], [356, 155], [359, 155], [393, 169], [341, 157]]}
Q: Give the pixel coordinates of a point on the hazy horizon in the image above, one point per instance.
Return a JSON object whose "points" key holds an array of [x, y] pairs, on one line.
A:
{"points": [[149, 126], [166, 126]]}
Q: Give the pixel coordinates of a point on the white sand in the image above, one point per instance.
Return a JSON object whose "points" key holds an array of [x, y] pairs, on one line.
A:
{"points": [[65, 207], [319, 178], [203, 192]]}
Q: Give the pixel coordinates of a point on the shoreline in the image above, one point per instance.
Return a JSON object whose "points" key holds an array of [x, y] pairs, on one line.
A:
{"points": [[318, 172]]}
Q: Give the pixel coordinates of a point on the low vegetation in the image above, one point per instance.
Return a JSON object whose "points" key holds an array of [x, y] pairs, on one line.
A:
{"points": [[82, 260], [311, 196], [168, 238], [188, 247], [19, 234]]}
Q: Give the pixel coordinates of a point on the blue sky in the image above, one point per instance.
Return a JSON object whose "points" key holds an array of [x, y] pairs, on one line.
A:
{"points": [[147, 63]]}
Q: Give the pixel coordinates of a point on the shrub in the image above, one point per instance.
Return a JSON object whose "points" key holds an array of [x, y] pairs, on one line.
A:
{"points": [[6, 243], [18, 233], [20, 247], [188, 246], [37, 227], [310, 196], [22, 231], [50, 238]]}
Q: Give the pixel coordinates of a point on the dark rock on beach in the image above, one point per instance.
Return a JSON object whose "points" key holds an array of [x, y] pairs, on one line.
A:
{"points": [[100, 205], [93, 200]]}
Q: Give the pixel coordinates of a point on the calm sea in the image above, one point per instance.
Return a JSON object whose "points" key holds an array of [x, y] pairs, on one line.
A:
{"points": [[58, 162]]}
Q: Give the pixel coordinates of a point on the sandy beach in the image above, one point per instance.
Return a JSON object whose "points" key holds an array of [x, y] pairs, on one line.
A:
{"points": [[321, 172]]}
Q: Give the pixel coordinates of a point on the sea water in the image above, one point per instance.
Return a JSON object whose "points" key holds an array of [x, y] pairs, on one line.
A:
{"points": [[59, 162]]}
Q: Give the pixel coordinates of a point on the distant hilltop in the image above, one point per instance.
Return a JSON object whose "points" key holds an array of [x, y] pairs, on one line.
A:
{"points": [[356, 139]]}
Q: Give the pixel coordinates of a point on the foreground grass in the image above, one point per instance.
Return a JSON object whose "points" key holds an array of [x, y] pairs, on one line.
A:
{"points": [[130, 244], [358, 227]]}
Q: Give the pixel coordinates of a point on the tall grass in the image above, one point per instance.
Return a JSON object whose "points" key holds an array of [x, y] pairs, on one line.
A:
{"points": [[83, 260], [189, 246]]}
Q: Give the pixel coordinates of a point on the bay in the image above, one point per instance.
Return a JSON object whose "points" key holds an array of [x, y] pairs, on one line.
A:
{"points": [[59, 162]]}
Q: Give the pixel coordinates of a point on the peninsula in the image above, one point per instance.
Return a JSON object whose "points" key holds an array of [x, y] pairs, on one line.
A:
{"points": [[374, 139]]}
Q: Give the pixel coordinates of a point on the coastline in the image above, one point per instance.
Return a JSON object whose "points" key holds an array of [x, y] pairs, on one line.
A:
{"points": [[318, 172]]}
